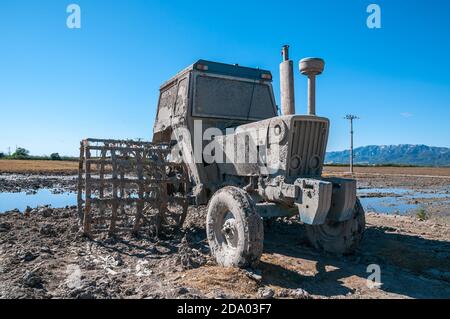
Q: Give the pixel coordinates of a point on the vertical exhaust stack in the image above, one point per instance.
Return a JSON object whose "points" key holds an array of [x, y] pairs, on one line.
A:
{"points": [[311, 67], [287, 83]]}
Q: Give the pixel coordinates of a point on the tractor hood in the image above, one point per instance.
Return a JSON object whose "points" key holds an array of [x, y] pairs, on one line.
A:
{"points": [[291, 145]]}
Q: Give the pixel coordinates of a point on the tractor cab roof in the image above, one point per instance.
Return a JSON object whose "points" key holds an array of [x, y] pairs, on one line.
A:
{"points": [[233, 70]]}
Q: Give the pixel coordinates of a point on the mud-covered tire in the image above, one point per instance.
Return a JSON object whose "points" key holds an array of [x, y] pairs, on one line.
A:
{"points": [[234, 228], [339, 238]]}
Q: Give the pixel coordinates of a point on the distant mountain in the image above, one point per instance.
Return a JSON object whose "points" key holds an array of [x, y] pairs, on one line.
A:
{"points": [[406, 154]]}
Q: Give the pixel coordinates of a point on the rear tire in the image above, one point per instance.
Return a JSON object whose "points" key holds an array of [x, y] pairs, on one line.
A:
{"points": [[234, 228], [340, 238]]}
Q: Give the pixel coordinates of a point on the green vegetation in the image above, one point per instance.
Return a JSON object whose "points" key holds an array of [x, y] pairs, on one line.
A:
{"points": [[20, 153], [24, 154], [422, 214], [55, 157]]}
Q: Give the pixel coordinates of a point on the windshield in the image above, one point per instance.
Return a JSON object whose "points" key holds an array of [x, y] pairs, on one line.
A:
{"points": [[225, 98]]}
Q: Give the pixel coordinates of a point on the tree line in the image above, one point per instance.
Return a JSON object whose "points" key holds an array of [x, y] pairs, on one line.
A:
{"points": [[24, 154]]}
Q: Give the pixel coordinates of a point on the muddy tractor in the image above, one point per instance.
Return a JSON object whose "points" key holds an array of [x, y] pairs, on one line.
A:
{"points": [[247, 162], [219, 140]]}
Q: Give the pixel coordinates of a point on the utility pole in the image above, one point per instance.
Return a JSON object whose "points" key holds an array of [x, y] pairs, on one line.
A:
{"points": [[351, 118]]}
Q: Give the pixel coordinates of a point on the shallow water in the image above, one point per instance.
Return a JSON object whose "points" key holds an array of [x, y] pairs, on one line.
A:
{"points": [[387, 200], [397, 200], [407, 193], [10, 201], [388, 205]]}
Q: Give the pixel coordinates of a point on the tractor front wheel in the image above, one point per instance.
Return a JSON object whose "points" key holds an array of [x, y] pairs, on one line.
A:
{"points": [[234, 228], [339, 237]]}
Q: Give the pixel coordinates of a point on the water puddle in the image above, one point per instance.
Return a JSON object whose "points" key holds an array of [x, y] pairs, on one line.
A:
{"points": [[380, 200], [10, 201], [398, 200]]}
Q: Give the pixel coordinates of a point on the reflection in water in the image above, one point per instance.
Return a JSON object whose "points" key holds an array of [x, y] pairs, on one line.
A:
{"points": [[10, 201], [396, 200], [380, 200]]}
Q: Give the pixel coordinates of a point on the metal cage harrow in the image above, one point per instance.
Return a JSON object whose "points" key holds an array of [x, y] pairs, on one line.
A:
{"points": [[126, 185]]}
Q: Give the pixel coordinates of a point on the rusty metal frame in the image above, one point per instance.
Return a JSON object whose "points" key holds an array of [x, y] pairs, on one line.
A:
{"points": [[126, 183]]}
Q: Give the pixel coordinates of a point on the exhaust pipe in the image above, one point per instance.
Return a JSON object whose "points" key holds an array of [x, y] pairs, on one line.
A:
{"points": [[311, 67], [287, 83]]}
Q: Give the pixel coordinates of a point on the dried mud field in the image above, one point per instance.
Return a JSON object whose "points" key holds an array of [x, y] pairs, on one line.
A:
{"points": [[43, 167], [44, 255]]}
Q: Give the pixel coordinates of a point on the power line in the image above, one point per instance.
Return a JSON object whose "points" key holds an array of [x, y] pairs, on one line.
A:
{"points": [[351, 117]]}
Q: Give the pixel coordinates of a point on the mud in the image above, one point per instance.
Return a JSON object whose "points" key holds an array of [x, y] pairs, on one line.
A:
{"points": [[15, 183], [44, 255]]}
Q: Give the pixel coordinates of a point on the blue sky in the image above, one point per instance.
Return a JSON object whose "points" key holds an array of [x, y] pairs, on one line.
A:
{"points": [[59, 85]]}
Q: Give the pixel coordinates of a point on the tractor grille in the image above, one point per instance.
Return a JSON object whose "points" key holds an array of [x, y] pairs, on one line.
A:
{"points": [[307, 150]]}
